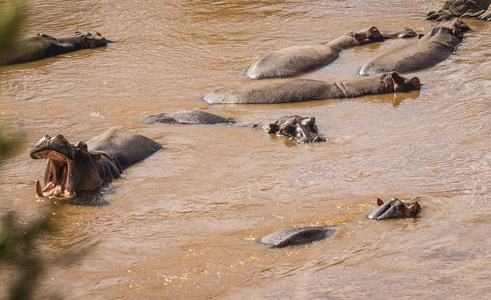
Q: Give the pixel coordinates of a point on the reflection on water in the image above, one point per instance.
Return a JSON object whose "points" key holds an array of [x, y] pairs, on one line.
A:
{"points": [[183, 223]]}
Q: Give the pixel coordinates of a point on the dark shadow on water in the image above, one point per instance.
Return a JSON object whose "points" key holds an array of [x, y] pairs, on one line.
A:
{"points": [[89, 198]]}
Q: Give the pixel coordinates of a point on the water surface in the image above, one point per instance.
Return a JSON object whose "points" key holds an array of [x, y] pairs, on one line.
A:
{"points": [[183, 223]]}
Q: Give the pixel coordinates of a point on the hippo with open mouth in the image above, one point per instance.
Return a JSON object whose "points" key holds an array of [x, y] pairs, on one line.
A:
{"points": [[393, 209], [88, 166]]}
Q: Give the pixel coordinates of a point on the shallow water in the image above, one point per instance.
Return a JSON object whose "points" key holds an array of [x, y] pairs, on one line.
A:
{"points": [[183, 223]]}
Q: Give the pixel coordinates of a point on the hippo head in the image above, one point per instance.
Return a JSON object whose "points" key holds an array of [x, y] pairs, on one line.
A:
{"points": [[394, 83], [457, 24], [92, 40], [369, 36], [303, 129], [70, 167], [394, 209]]}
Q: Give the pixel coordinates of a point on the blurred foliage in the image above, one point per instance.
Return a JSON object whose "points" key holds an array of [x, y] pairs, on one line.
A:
{"points": [[18, 242], [18, 248], [12, 14]]}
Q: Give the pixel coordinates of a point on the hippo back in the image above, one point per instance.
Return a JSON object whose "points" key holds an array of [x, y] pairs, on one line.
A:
{"points": [[292, 61], [296, 236], [187, 117], [126, 147]]}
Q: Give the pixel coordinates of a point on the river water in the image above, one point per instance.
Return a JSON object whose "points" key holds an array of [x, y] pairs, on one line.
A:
{"points": [[183, 223]]}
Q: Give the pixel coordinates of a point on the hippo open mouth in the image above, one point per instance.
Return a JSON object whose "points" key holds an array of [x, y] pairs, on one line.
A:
{"points": [[59, 176]]}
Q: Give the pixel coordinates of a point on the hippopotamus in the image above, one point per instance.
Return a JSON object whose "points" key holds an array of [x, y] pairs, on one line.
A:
{"points": [[296, 236], [297, 90], [43, 46], [433, 47], [301, 129], [480, 9], [88, 166], [187, 117], [299, 59], [393, 209]]}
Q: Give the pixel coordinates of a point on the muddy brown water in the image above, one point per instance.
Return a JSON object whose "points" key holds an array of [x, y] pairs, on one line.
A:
{"points": [[183, 223]]}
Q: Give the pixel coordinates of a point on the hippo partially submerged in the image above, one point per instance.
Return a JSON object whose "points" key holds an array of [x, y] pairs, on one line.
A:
{"points": [[301, 129], [297, 90], [187, 117], [297, 236], [480, 9], [393, 209], [43, 46], [296, 60], [88, 166], [434, 47]]}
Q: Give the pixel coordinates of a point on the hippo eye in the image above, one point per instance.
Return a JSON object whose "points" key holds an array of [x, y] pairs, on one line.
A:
{"points": [[288, 129]]}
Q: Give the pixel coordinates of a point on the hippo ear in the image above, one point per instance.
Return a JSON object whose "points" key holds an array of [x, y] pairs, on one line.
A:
{"points": [[396, 78], [379, 202], [373, 29], [96, 156]]}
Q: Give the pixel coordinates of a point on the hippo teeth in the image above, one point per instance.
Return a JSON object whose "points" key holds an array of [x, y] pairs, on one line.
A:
{"points": [[60, 183], [39, 191]]}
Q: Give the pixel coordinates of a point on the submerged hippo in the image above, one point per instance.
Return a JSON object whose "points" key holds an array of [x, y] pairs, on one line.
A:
{"points": [[187, 117], [297, 90], [43, 46], [393, 209], [480, 9], [296, 60], [432, 48], [88, 166], [301, 129]]}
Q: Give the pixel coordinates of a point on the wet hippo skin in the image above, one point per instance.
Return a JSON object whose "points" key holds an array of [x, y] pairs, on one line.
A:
{"points": [[301, 129], [43, 46], [296, 60], [393, 209], [187, 117], [435, 46], [298, 90], [480, 9]]}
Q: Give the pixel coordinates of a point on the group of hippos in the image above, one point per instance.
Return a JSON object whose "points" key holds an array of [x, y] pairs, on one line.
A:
{"points": [[88, 166]]}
